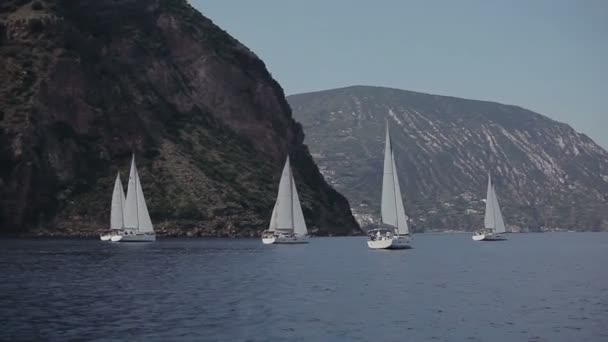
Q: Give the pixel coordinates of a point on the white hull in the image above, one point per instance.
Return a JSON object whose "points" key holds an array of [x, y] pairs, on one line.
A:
{"points": [[108, 236], [489, 237], [134, 238], [395, 242], [284, 240], [268, 241], [380, 244]]}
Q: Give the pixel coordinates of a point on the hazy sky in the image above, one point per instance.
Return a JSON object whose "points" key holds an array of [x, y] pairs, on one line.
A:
{"points": [[550, 56]]}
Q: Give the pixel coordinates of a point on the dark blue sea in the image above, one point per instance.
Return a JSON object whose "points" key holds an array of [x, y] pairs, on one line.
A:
{"points": [[534, 287]]}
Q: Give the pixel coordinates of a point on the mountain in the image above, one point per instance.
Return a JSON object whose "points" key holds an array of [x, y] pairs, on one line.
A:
{"points": [[547, 175], [86, 83]]}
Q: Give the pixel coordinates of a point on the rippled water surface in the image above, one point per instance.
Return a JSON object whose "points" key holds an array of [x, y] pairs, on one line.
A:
{"points": [[534, 287]]}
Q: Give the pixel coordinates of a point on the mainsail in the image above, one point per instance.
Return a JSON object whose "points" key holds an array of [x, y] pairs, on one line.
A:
{"points": [[118, 205], [392, 210], [489, 219], [273, 219], [500, 224], [136, 211], [299, 225], [284, 206], [287, 212], [493, 218]]}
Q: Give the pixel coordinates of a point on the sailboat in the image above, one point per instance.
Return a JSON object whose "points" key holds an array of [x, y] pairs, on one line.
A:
{"points": [[137, 224], [394, 232], [287, 224], [116, 211], [493, 222]]}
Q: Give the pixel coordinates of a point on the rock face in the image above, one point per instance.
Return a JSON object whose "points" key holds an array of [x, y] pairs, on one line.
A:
{"points": [[86, 83], [546, 174]]}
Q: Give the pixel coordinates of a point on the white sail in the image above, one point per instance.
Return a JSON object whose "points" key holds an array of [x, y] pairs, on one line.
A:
{"points": [[500, 224], [136, 211], [283, 205], [388, 205], [392, 210], [299, 227], [131, 219], [287, 213], [489, 219], [118, 203], [493, 218], [145, 223], [401, 217], [273, 219]]}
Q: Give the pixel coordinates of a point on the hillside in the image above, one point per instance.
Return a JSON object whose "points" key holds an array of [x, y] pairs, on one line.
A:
{"points": [[547, 175], [86, 83]]}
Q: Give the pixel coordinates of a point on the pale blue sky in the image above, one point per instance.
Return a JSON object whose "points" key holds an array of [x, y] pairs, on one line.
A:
{"points": [[550, 56]]}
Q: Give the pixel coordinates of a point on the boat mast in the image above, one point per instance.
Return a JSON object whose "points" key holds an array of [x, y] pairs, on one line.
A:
{"points": [[122, 201], [395, 189], [490, 198], [388, 134], [494, 211], [293, 226], [136, 181]]}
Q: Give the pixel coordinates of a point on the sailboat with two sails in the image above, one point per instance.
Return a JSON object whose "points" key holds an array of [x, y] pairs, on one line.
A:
{"points": [[394, 231], [287, 225], [494, 224], [129, 218]]}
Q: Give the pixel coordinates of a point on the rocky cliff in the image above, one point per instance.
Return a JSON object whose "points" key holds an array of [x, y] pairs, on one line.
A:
{"points": [[86, 83], [547, 175]]}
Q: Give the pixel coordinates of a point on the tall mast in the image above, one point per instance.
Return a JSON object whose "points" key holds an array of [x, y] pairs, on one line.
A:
{"points": [[122, 202], [293, 226], [136, 181], [388, 136]]}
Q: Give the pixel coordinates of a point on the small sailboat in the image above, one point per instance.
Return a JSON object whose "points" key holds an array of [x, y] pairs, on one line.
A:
{"points": [[394, 232], [493, 222], [287, 224], [116, 211], [137, 224]]}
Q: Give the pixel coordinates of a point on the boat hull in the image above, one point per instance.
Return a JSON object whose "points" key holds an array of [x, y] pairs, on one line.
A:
{"points": [[108, 236], [380, 244], [134, 238], [489, 237], [268, 241], [284, 240], [395, 242]]}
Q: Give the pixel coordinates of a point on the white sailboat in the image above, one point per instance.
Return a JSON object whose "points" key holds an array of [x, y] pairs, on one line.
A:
{"points": [[137, 224], [394, 232], [287, 225], [116, 211], [493, 222]]}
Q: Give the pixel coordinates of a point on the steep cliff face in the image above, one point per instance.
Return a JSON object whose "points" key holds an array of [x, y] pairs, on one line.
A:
{"points": [[546, 174], [86, 83]]}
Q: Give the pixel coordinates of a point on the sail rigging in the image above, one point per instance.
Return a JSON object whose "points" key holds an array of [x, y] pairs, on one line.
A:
{"points": [[493, 219], [136, 211], [392, 209], [287, 212]]}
